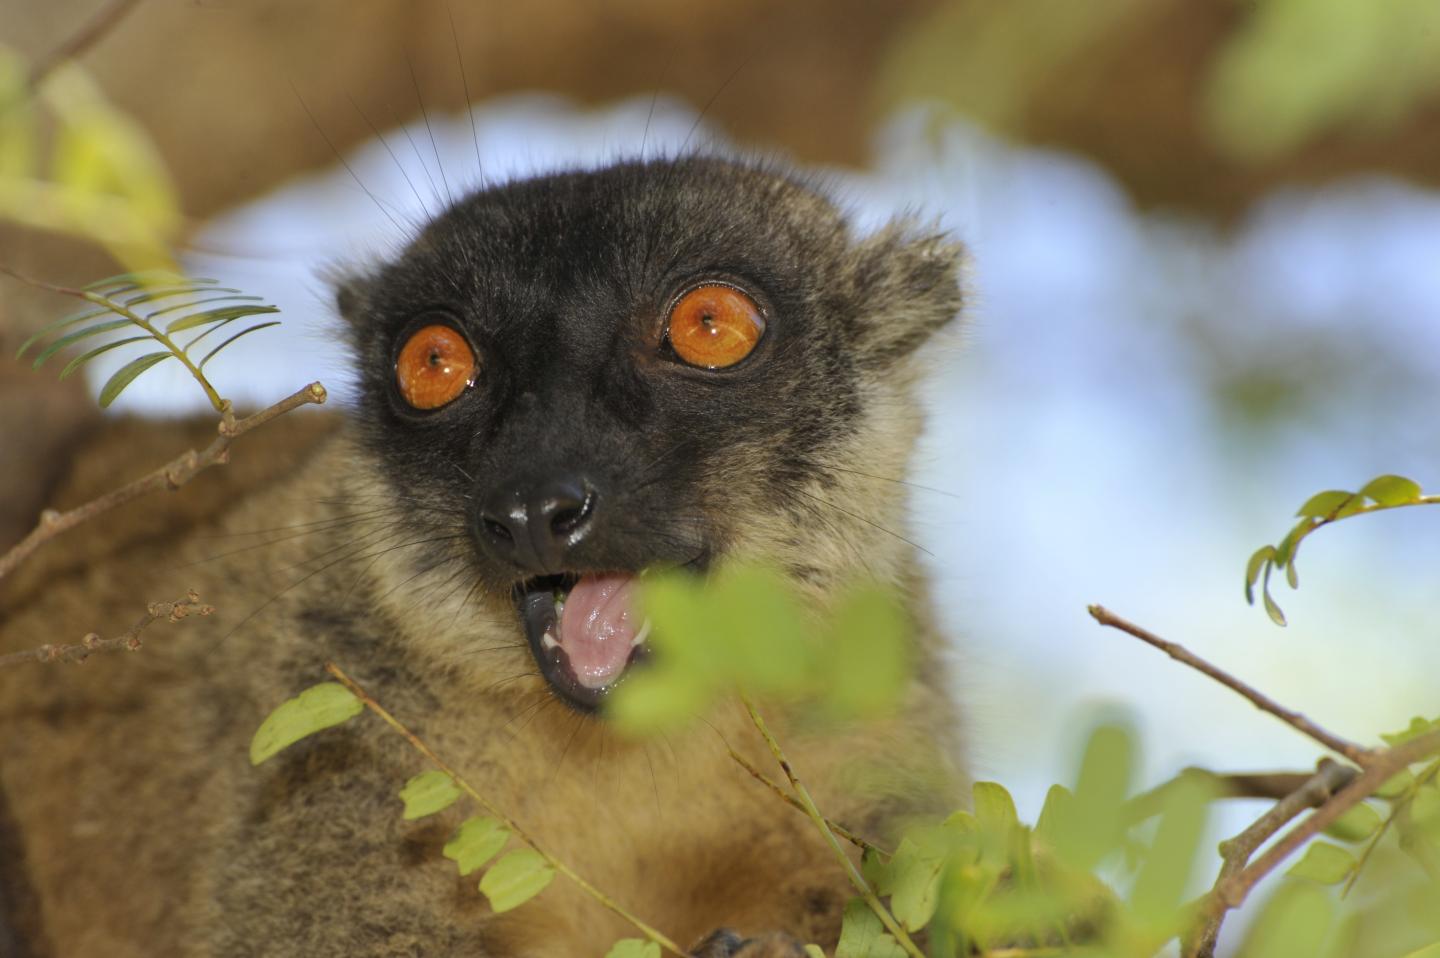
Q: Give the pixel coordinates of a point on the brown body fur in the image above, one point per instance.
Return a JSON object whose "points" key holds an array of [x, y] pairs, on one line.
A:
{"points": [[140, 816]]}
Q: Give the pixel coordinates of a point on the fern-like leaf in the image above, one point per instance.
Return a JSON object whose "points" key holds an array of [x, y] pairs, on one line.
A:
{"points": [[223, 314], [139, 300], [126, 375], [75, 337], [84, 358], [211, 354]]}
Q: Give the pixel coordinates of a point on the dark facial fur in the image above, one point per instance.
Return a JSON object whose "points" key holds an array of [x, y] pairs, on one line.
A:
{"points": [[561, 285]]}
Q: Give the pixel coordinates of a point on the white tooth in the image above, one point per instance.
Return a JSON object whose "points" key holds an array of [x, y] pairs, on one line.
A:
{"points": [[642, 635], [548, 641]]}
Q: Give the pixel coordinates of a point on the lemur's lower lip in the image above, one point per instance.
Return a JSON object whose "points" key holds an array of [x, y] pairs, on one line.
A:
{"points": [[583, 633]]}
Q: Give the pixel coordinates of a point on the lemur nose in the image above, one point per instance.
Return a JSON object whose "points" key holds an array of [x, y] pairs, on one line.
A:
{"points": [[534, 525]]}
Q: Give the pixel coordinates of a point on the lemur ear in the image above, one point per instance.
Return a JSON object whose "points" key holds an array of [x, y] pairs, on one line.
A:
{"points": [[351, 291], [906, 286]]}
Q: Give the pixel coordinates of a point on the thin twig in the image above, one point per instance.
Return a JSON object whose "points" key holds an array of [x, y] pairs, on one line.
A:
{"points": [[171, 476], [1356, 753], [794, 802], [101, 23], [1242, 785], [856, 879], [1329, 778], [419, 745], [128, 641], [1234, 889]]}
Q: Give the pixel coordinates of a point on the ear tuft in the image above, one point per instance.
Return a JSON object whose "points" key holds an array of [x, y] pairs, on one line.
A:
{"points": [[351, 292], [907, 285]]}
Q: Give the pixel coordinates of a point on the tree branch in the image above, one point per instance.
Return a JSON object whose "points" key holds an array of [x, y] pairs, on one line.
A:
{"points": [[171, 476], [1271, 785], [128, 641], [1329, 778], [1383, 766], [1356, 753]]}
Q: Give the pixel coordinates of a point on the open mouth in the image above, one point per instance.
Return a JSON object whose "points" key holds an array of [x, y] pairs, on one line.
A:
{"points": [[583, 632]]}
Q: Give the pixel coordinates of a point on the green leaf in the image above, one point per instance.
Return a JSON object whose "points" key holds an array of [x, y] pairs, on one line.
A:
{"points": [[475, 842], [318, 707], [428, 793], [1092, 824], [1357, 824], [862, 935], [1391, 490], [1253, 568], [868, 654], [915, 885], [761, 630], [877, 871], [191, 304], [814, 951], [217, 315], [994, 808], [64, 322], [244, 332], [1271, 608], [126, 375], [1429, 951], [1322, 504], [150, 294], [1158, 891], [633, 948], [1396, 785], [516, 878], [1325, 863], [1425, 806], [1053, 813], [75, 337], [84, 358], [141, 278], [1418, 726], [1285, 550], [657, 699], [1295, 922]]}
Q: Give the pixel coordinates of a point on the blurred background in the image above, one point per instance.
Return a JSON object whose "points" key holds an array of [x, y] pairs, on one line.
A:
{"points": [[1204, 284]]}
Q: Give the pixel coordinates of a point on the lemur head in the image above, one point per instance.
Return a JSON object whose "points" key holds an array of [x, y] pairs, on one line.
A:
{"points": [[572, 379]]}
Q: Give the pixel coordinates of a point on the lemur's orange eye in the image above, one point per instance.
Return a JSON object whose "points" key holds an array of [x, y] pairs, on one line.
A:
{"points": [[434, 367], [715, 326]]}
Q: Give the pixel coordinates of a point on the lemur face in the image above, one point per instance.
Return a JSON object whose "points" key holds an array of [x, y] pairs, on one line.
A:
{"points": [[656, 364]]}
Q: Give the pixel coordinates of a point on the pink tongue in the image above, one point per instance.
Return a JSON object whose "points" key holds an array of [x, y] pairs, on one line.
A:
{"points": [[597, 627]]}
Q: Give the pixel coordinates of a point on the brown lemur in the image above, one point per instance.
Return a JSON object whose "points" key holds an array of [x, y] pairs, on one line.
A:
{"points": [[562, 382]]}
